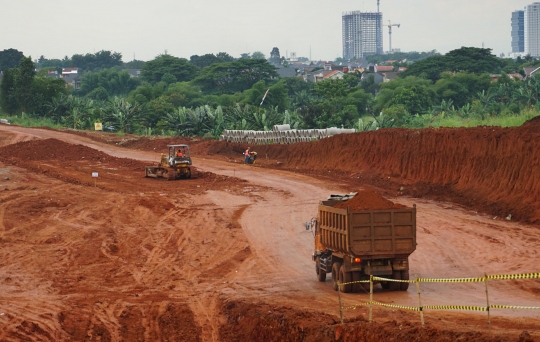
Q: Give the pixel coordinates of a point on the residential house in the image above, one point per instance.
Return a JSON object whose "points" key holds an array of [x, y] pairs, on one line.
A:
{"points": [[515, 77], [377, 77], [388, 76], [321, 75], [69, 71], [134, 73], [53, 74], [384, 68], [289, 71], [73, 80], [529, 71]]}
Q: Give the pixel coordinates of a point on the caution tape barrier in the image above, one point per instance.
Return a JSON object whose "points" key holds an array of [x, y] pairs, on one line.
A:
{"points": [[354, 282], [353, 307], [451, 280], [421, 308], [394, 280], [497, 306], [455, 307], [515, 276], [412, 308]]}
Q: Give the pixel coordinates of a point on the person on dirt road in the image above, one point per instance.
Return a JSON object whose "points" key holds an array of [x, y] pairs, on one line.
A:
{"points": [[246, 154]]}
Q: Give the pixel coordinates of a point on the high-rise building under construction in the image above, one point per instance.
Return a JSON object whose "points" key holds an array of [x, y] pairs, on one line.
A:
{"points": [[362, 34], [532, 29]]}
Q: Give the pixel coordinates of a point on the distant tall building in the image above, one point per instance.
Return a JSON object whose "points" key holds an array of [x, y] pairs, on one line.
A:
{"points": [[532, 29], [361, 34], [518, 31]]}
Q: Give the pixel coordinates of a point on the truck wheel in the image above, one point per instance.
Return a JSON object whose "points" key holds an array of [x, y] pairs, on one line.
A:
{"points": [[385, 284], [345, 277], [335, 274], [360, 287], [321, 275], [395, 286], [404, 276], [188, 173]]}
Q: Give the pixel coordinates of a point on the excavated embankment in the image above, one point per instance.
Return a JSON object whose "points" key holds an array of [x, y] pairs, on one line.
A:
{"points": [[492, 169]]}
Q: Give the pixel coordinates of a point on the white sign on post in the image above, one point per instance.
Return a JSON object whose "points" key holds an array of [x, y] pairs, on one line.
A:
{"points": [[94, 174]]}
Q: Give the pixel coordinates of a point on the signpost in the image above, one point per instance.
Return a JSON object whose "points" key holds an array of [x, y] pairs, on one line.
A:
{"points": [[98, 126], [95, 176]]}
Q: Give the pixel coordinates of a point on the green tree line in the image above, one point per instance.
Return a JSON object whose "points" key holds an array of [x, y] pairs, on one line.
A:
{"points": [[209, 93]]}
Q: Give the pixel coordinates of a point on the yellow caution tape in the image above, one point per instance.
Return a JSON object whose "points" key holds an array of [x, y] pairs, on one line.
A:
{"points": [[455, 307], [496, 306], [353, 307], [354, 282], [515, 276], [451, 280], [394, 280], [412, 308]]}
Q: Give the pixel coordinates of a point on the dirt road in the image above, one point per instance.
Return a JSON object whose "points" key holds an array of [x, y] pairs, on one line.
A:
{"points": [[140, 259]]}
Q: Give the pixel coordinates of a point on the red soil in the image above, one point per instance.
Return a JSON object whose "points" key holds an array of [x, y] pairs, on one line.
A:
{"points": [[143, 259], [368, 200], [489, 169]]}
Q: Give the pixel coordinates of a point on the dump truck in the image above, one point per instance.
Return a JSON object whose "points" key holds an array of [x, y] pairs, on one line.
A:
{"points": [[352, 245]]}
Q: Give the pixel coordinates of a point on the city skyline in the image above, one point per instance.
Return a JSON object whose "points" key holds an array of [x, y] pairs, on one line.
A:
{"points": [[61, 28]]}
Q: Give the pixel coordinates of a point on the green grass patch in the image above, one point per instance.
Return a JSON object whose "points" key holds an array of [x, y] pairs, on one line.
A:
{"points": [[500, 121], [25, 121]]}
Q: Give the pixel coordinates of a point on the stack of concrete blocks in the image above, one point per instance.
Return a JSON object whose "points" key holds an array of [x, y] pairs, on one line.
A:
{"points": [[280, 134]]}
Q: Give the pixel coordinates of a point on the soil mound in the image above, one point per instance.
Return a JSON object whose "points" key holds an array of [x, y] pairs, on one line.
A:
{"points": [[59, 151], [534, 121], [368, 200], [262, 322]]}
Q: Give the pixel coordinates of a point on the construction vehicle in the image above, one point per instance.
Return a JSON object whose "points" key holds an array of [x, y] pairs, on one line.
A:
{"points": [[352, 245], [174, 165]]}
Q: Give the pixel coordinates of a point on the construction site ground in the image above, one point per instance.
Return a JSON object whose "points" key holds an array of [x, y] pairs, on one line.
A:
{"points": [[225, 256]]}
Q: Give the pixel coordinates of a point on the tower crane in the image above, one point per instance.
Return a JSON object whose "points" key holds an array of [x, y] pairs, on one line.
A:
{"points": [[390, 34]]}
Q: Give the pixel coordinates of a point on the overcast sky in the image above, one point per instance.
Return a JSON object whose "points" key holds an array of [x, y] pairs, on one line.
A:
{"points": [[58, 28]]}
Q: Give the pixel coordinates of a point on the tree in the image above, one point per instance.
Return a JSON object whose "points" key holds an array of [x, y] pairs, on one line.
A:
{"points": [[461, 87], [134, 64], [180, 68], [469, 59], [94, 62], [114, 82], [204, 60], [224, 57], [23, 84], [10, 58], [44, 89], [275, 57], [232, 77], [123, 114], [8, 102], [258, 55], [168, 78], [184, 94], [390, 89], [416, 99]]}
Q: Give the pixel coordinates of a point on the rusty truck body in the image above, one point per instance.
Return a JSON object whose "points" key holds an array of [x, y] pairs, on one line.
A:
{"points": [[352, 245]]}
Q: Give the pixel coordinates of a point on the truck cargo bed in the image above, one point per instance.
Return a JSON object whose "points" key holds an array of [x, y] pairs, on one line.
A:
{"points": [[367, 233]]}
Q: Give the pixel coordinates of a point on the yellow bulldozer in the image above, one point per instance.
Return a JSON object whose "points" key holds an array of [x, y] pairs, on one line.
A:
{"points": [[175, 165]]}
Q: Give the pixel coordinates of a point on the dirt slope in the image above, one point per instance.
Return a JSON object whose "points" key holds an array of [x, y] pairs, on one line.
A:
{"points": [[495, 170]]}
